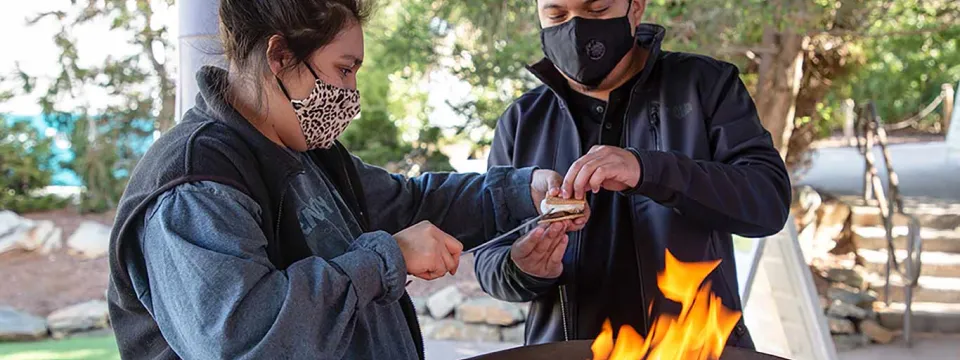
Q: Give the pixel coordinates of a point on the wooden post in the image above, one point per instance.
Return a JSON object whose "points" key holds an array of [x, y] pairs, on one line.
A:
{"points": [[948, 94], [849, 118]]}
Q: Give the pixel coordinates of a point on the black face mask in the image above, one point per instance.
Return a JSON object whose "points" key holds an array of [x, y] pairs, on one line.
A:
{"points": [[587, 50]]}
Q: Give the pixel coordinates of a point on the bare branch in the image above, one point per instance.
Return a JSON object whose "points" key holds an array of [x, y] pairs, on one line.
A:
{"points": [[57, 14]]}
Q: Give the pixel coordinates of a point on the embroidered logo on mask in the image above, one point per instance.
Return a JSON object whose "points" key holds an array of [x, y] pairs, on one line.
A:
{"points": [[595, 49]]}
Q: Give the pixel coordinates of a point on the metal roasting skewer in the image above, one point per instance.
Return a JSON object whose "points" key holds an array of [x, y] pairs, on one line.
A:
{"points": [[508, 233]]}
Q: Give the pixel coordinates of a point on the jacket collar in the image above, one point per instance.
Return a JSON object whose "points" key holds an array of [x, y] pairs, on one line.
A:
{"points": [[211, 103], [648, 36]]}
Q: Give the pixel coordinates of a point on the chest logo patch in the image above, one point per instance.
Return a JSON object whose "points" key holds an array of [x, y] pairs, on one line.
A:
{"points": [[680, 111]]}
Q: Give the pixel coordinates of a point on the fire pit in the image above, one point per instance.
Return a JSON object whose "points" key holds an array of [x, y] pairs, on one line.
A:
{"points": [[698, 332], [580, 350]]}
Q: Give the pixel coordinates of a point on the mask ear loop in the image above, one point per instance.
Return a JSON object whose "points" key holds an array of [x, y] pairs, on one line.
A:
{"points": [[284, 88]]}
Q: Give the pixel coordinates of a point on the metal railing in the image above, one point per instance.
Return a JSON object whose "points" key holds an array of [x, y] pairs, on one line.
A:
{"points": [[869, 132]]}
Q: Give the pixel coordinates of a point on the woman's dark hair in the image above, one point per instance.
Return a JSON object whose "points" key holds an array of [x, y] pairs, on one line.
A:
{"points": [[306, 25]]}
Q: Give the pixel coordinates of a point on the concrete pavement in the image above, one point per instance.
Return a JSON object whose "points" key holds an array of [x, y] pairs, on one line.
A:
{"points": [[926, 347]]}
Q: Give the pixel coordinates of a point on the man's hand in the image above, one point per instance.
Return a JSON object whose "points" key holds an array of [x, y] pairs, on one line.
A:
{"points": [[547, 183], [428, 251], [540, 252], [606, 167]]}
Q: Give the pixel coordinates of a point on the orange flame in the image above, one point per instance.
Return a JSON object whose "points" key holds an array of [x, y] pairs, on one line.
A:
{"points": [[699, 332]]}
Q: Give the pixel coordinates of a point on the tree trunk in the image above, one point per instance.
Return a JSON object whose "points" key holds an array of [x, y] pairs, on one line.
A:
{"points": [[779, 83]]}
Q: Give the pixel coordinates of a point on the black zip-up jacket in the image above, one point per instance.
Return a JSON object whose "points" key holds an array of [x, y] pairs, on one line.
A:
{"points": [[709, 170]]}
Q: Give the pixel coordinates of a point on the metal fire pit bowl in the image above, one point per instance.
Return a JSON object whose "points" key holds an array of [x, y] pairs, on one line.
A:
{"points": [[580, 350]]}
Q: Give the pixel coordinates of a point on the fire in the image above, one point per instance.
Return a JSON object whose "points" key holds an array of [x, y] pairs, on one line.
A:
{"points": [[699, 332]]}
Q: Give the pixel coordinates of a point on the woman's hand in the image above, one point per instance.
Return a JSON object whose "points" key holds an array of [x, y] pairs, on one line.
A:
{"points": [[428, 251]]}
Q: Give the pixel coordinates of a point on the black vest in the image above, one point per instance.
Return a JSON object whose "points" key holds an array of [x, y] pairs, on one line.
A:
{"points": [[214, 143]]}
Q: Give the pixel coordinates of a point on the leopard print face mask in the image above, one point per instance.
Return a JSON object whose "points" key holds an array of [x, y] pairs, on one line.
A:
{"points": [[325, 113]]}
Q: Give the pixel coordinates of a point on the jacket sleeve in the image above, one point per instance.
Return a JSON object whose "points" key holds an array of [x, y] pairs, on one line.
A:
{"points": [[744, 190], [210, 279], [498, 275], [470, 207]]}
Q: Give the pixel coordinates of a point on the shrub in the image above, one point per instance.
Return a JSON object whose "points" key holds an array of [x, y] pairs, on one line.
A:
{"points": [[26, 162]]}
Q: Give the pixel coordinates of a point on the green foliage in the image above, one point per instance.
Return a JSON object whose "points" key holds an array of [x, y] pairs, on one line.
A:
{"points": [[494, 41], [25, 167], [399, 52], [903, 73]]}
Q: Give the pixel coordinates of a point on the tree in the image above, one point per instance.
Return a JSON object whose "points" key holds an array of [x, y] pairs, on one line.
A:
{"points": [[399, 52], [108, 140]]}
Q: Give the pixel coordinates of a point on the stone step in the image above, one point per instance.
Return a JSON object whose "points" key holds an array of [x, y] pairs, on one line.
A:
{"points": [[939, 216], [932, 289], [874, 237], [927, 317], [933, 263]]}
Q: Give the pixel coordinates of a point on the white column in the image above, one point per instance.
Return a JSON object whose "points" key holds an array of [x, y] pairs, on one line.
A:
{"points": [[198, 44]]}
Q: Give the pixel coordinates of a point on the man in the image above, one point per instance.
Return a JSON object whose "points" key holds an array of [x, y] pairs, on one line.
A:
{"points": [[667, 149]]}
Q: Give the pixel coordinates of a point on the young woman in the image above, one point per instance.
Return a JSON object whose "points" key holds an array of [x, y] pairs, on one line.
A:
{"points": [[247, 231]]}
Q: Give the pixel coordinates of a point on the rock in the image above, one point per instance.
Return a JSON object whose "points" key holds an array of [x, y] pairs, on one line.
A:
{"points": [[849, 296], [849, 342], [840, 326], [16, 326], [449, 329], [848, 277], [824, 302], [13, 230], [91, 240], [875, 332], [513, 335], [54, 242], [442, 303], [867, 298], [43, 237], [820, 282], [420, 304], [490, 311], [844, 310], [424, 320], [81, 317]]}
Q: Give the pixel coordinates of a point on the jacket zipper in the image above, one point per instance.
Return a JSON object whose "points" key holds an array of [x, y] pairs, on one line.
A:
{"points": [[654, 121], [576, 255], [655, 124], [655, 133], [563, 311]]}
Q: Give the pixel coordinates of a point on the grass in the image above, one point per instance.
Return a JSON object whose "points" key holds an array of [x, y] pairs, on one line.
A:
{"points": [[101, 347]]}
